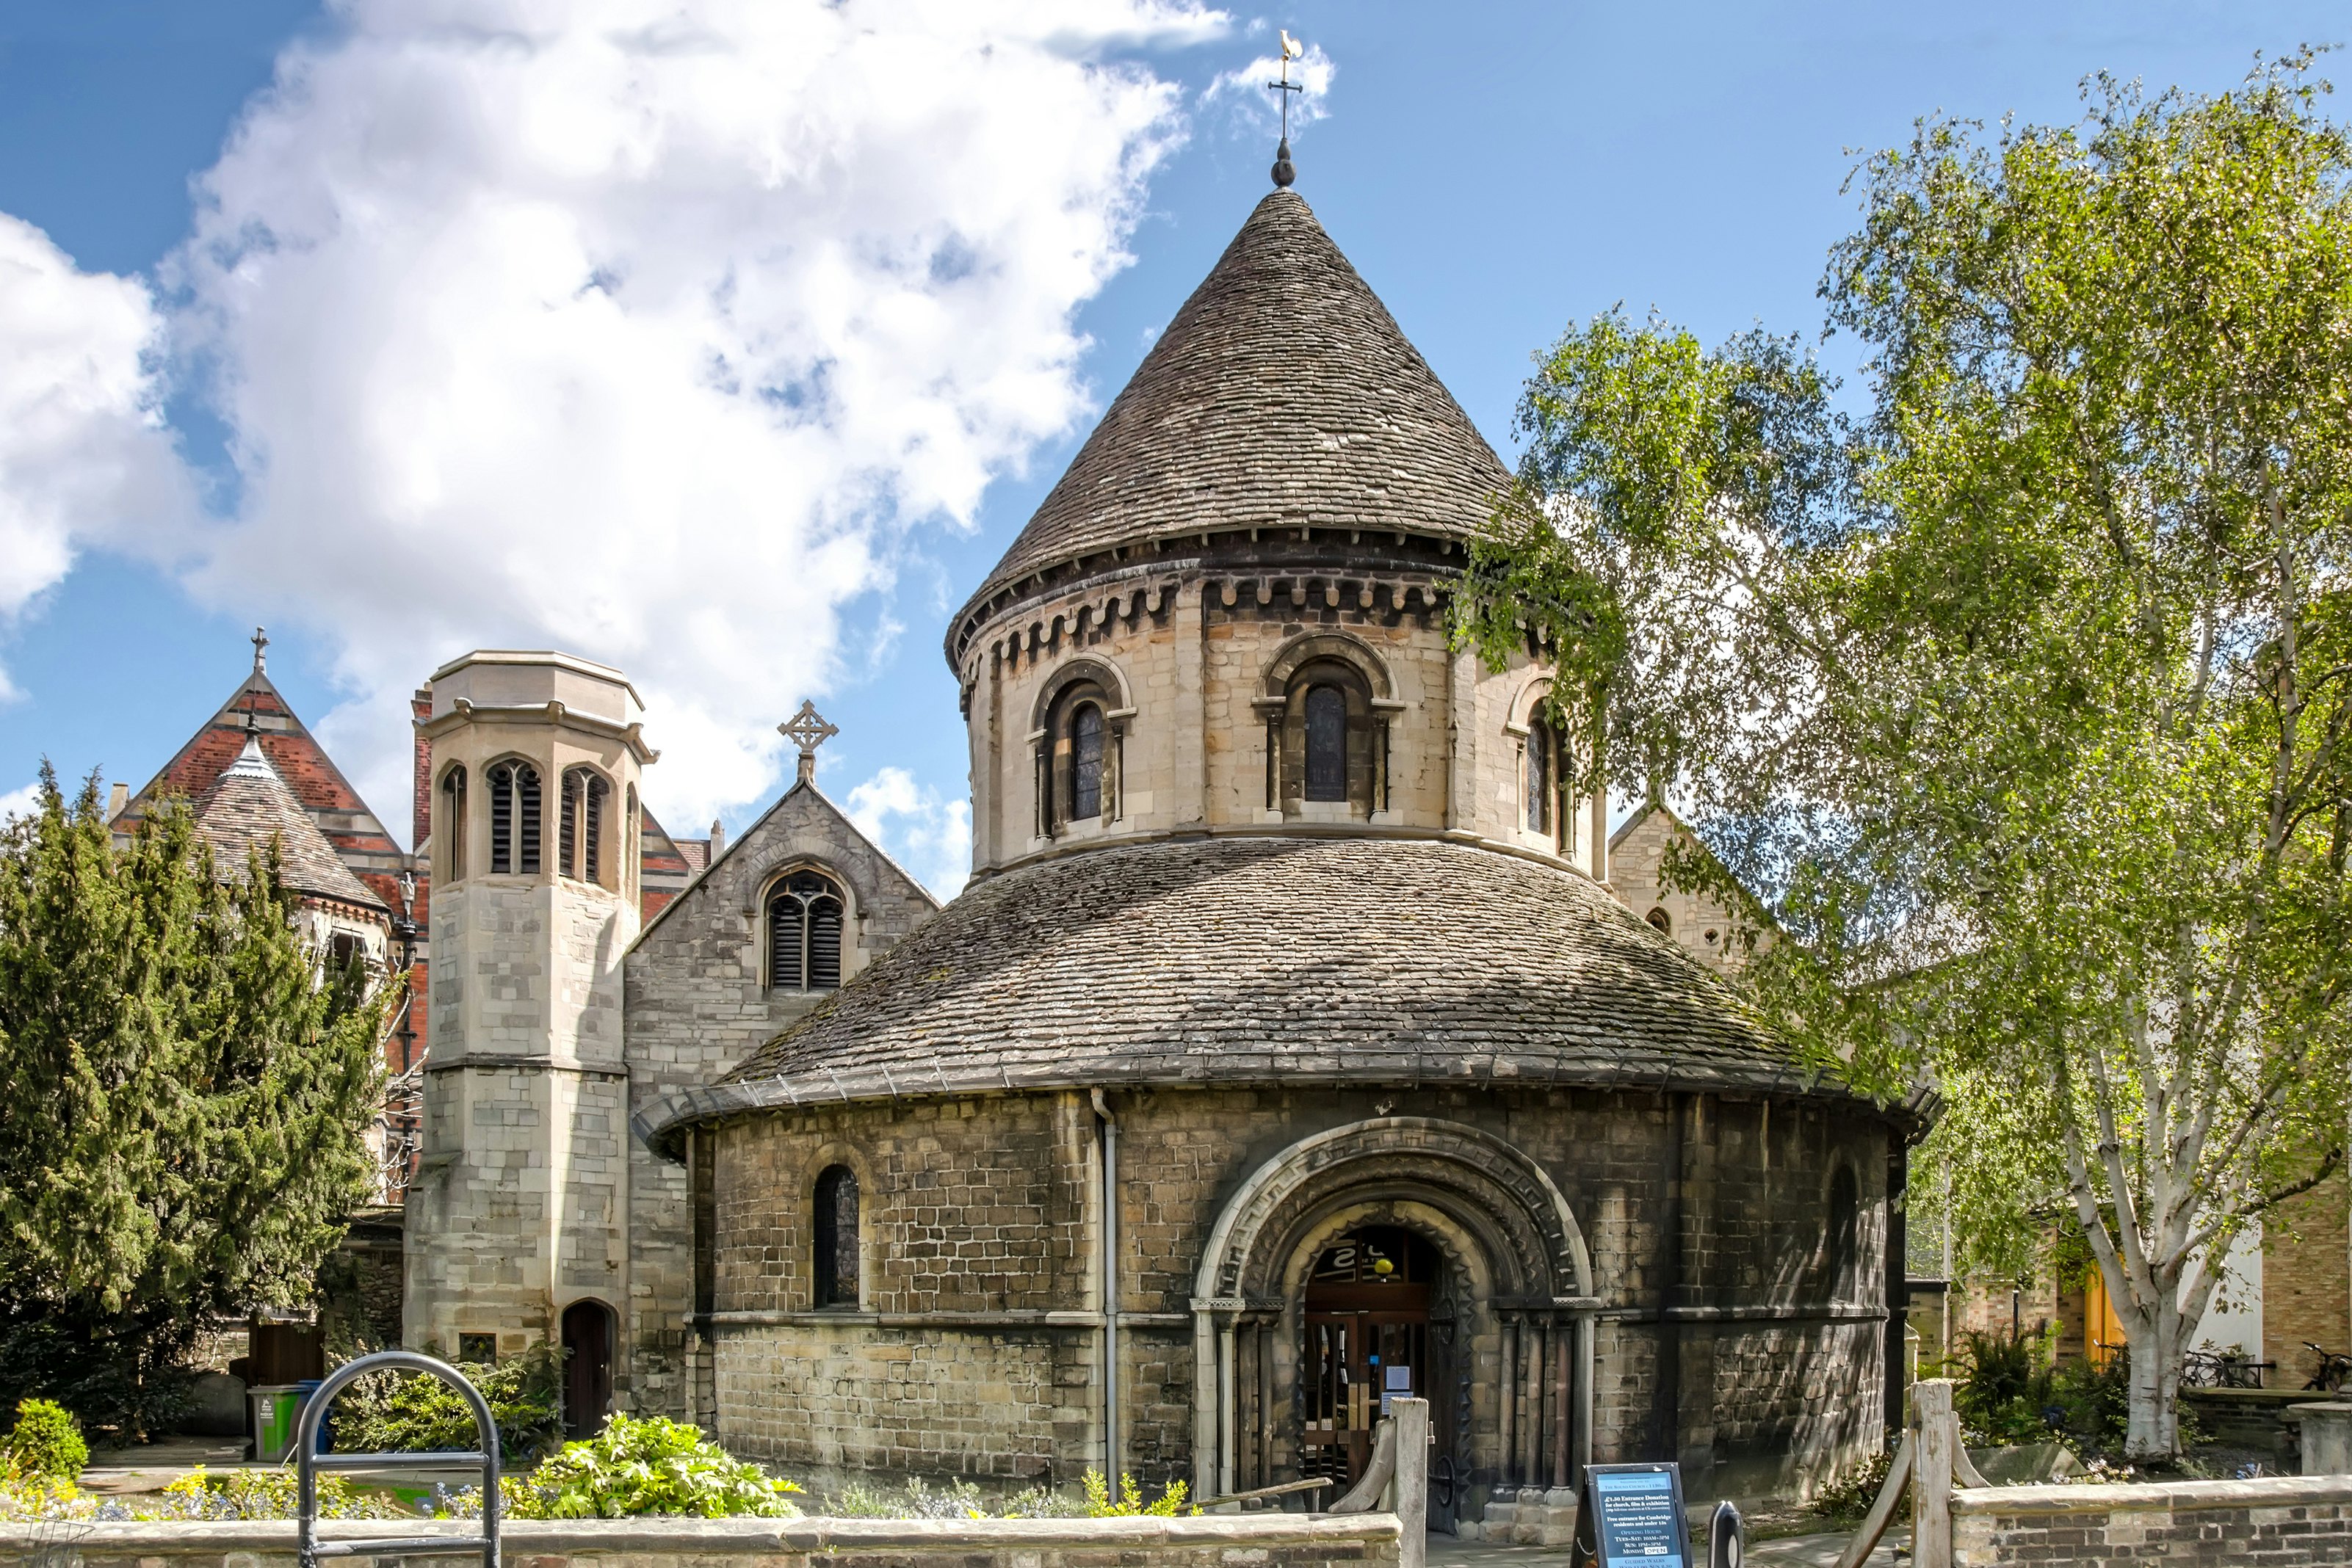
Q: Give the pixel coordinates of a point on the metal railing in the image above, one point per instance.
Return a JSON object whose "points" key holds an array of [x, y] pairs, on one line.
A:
{"points": [[308, 1462]]}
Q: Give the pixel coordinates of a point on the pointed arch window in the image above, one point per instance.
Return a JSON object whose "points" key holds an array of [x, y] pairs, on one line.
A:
{"points": [[629, 847], [805, 917], [451, 831], [514, 818], [1327, 744], [834, 1248], [582, 834]]}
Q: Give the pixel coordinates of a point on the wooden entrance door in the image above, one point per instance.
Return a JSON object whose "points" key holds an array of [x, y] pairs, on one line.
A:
{"points": [[587, 1367], [1368, 1340]]}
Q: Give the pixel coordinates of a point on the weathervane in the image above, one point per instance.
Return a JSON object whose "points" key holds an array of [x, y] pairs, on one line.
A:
{"points": [[1291, 49], [808, 730]]}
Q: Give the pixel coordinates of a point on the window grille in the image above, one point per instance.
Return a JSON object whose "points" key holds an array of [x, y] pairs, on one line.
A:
{"points": [[1327, 744], [835, 1249], [804, 918], [1086, 761]]}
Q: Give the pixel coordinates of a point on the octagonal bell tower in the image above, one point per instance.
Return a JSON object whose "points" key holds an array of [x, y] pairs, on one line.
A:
{"points": [[516, 1222]]}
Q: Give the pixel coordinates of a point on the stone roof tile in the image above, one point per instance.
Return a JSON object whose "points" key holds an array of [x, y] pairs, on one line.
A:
{"points": [[248, 805], [1281, 393], [1249, 958]]}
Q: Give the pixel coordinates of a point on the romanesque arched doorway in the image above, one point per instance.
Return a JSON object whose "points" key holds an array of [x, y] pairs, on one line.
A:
{"points": [[1491, 1317]]}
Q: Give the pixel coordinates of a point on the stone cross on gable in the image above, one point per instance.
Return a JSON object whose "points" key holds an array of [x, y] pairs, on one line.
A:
{"points": [[808, 730], [260, 642]]}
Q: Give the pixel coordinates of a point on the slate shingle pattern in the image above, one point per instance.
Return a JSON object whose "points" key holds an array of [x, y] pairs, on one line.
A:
{"points": [[240, 811], [1282, 393], [1265, 959]]}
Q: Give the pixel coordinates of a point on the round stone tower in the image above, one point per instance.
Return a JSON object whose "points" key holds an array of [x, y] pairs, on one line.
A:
{"points": [[516, 1219], [1289, 1050]]}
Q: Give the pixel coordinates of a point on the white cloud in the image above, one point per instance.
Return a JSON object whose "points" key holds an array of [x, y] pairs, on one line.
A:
{"points": [[645, 328], [83, 453], [1252, 105], [21, 802], [927, 832]]}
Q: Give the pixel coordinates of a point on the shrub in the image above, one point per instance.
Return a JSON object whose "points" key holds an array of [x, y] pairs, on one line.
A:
{"points": [[1130, 1502], [1847, 1499], [647, 1465], [46, 1445], [414, 1411], [265, 1494], [957, 1499], [2008, 1393]]}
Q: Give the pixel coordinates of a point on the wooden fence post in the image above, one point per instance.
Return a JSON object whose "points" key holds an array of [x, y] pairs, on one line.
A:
{"points": [[1931, 1473], [1411, 1416]]}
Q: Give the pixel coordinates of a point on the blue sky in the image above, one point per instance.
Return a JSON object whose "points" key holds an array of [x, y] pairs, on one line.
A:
{"points": [[1495, 172]]}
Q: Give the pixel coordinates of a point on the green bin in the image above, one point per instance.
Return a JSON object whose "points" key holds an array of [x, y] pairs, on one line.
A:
{"points": [[276, 1410]]}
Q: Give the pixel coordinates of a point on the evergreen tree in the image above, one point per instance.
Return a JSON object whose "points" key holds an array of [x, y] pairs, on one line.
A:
{"points": [[183, 1100]]}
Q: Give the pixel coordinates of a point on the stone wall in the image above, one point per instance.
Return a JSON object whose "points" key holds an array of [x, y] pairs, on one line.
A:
{"points": [[697, 1003], [1704, 1220], [1273, 1541], [2279, 1522], [1188, 651]]}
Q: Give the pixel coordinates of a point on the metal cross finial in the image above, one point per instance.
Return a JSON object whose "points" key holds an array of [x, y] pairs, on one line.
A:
{"points": [[808, 730], [1284, 173], [260, 641]]}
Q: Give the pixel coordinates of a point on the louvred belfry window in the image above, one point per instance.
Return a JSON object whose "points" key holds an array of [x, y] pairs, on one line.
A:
{"points": [[452, 827], [1327, 744], [805, 917], [583, 824], [514, 818]]}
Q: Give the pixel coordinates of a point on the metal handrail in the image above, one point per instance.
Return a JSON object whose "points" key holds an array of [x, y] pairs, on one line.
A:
{"points": [[308, 1461]]}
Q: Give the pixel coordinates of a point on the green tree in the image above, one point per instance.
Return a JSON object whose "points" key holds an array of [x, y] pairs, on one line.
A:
{"points": [[2025, 696], [184, 1099]]}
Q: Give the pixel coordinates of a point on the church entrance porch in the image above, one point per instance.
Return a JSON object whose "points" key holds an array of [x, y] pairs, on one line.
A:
{"points": [[1398, 1255]]}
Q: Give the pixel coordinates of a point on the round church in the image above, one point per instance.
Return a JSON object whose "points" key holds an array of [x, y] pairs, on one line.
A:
{"points": [[1291, 1049]]}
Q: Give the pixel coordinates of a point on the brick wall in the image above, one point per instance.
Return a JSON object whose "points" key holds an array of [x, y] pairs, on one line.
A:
{"points": [[2282, 1522], [2306, 1281]]}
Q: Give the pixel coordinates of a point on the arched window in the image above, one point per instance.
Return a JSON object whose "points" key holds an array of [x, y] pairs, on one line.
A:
{"points": [[1327, 744], [514, 818], [805, 914], [583, 824], [630, 843], [1844, 1233], [834, 1248], [451, 831], [1661, 922], [1539, 771], [1086, 761]]}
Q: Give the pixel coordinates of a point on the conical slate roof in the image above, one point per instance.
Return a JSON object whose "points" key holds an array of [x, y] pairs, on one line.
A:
{"points": [[240, 811], [1281, 395]]}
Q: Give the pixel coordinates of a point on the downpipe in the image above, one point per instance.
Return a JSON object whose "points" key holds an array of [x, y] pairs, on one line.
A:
{"points": [[1107, 1128]]}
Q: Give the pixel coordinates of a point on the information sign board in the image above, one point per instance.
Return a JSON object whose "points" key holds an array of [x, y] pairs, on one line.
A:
{"points": [[1631, 1516]]}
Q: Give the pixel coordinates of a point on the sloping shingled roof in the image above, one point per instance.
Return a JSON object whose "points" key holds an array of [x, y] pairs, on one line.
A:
{"points": [[1266, 959], [240, 811], [1282, 393]]}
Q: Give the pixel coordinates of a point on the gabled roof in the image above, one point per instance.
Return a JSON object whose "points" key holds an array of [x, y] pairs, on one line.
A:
{"points": [[1283, 393], [248, 806], [301, 764]]}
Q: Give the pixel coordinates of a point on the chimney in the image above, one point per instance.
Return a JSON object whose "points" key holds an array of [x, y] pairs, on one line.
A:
{"points": [[117, 797], [718, 840], [420, 707]]}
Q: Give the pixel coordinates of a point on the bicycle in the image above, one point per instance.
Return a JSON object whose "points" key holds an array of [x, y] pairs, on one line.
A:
{"points": [[2335, 1369]]}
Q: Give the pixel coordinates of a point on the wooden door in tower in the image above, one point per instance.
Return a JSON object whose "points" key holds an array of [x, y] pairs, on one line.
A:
{"points": [[1368, 1341]]}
